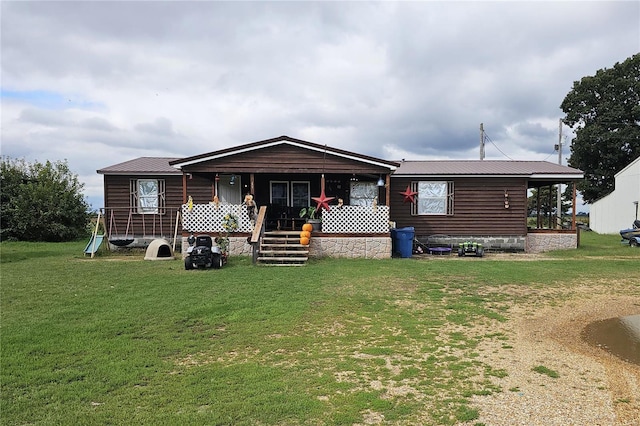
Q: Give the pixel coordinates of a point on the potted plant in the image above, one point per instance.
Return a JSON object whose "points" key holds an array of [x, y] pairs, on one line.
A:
{"points": [[311, 214]]}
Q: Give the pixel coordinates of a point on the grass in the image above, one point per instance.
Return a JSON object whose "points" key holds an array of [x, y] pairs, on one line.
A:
{"points": [[119, 340], [541, 369]]}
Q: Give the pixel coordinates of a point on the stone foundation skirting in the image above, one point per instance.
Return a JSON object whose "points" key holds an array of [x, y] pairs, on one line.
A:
{"points": [[351, 247], [498, 243], [238, 246], [380, 247], [539, 243], [533, 242]]}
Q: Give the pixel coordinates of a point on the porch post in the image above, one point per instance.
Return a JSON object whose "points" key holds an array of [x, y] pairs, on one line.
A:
{"points": [[387, 187], [252, 184], [573, 215], [184, 188], [549, 203], [538, 216]]}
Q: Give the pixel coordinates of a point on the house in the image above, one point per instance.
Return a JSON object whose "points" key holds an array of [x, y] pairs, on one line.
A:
{"points": [[618, 209], [483, 200]]}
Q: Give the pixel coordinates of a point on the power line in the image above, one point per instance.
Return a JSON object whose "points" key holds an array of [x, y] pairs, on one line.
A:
{"points": [[545, 158], [496, 146]]}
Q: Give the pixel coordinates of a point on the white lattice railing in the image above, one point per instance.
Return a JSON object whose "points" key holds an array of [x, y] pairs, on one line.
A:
{"points": [[338, 220], [209, 217], [356, 220]]}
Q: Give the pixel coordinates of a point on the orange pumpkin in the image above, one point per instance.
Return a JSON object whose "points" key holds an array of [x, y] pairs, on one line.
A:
{"points": [[305, 234], [307, 227], [304, 241]]}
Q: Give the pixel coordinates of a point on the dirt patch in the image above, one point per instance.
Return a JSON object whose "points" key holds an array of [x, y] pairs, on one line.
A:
{"points": [[593, 387], [564, 327]]}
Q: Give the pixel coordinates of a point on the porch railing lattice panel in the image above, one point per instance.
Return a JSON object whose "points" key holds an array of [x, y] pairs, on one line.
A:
{"points": [[356, 219], [209, 217], [338, 220]]}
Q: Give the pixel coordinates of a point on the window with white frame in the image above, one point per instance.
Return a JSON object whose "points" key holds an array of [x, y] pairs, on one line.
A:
{"points": [[279, 193], [147, 195], [290, 194], [300, 194], [433, 198]]}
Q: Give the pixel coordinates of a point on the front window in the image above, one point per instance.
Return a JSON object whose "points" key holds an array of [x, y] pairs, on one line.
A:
{"points": [[434, 198], [147, 195], [300, 194], [362, 193], [280, 193], [290, 194]]}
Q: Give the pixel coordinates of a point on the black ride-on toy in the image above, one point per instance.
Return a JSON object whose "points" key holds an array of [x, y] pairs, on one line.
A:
{"points": [[469, 248], [203, 254]]}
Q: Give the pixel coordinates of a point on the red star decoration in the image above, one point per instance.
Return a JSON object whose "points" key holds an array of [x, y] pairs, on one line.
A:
{"points": [[322, 200], [409, 195]]}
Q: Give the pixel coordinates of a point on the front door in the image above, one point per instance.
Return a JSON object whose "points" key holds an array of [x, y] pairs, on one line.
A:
{"points": [[229, 190]]}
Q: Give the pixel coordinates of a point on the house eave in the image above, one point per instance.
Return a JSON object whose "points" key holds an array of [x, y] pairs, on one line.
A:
{"points": [[561, 176], [392, 166], [139, 173], [554, 177]]}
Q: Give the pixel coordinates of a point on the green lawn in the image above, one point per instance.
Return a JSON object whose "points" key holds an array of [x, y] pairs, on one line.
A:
{"points": [[120, 340]]}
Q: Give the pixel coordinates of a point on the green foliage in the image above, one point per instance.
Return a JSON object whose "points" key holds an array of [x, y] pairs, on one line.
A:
{"points": [[308, 212], [541, 369], [545, 207], [41, 202], [604, 110]]}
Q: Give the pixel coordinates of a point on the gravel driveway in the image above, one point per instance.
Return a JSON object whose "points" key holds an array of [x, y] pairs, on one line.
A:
{"points": [[593, 387]]}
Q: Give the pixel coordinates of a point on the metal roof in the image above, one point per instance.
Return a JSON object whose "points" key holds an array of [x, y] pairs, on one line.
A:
{"points": [[443, 168], [440, 168], [142, 166]]}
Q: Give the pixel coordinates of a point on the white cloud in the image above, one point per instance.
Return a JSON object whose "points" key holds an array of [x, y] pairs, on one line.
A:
{"points": [[118, 80]]}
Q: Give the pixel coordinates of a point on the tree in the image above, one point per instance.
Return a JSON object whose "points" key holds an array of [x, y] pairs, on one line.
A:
{"points": [[604, 111], [546, 207], [41, 202]]}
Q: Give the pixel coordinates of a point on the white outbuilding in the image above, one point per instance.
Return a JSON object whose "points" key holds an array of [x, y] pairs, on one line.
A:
{"points": [[619, 209]]}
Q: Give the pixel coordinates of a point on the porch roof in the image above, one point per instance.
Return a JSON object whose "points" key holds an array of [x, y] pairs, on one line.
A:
{"points": [[541, 171], [284, 140]]}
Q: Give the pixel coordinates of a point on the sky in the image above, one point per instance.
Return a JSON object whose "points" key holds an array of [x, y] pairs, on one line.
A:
{"points": [[99, 83]]}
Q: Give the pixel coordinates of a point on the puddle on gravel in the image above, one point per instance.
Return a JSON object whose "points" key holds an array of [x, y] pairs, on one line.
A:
{"points": [[618, 336]]}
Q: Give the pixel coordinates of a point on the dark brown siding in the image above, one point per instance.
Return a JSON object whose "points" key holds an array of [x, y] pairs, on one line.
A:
{"points": [[285, 159], [478, 208], [200, 188], [118, 204]]}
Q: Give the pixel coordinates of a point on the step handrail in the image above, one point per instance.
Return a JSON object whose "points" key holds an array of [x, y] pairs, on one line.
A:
{"points": [[258, 231]]}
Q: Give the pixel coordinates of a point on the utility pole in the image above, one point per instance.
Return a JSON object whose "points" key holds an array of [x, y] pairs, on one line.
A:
{"points": [[559, 195], [481, 141]]}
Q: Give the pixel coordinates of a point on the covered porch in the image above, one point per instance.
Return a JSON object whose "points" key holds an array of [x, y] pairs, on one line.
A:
{"points": [[286, 195], [550, 231], [282, 177], [345, 231]]}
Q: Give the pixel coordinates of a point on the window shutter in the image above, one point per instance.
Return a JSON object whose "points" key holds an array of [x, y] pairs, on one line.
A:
{"points": [[133, 194]]}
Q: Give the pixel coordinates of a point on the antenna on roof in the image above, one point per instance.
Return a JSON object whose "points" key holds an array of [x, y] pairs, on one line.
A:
{"points": [[481, 141]]}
